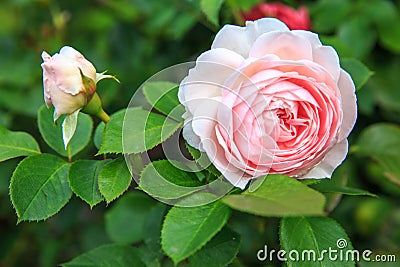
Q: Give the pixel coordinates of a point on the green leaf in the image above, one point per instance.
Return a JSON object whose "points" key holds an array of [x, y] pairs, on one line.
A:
{"points": [[323, 21], [211, 9], [162, 179], [279, 195], [329, 186], [358, 71], [152, 228], [163, 96], [83, 180], [141, 129], [98, 135], [389, 32], [358, 33], [39, 187], [125, 220], [186, 230], [219, 251], [381, 141], [114, 179], [314, 235], [16, 144], [69, 127], [52, 133], [108, 256], [202, 159]]}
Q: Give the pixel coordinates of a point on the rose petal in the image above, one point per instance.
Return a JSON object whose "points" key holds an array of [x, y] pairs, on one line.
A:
{"points": [[87, 68], [285, 45], [349, 104], [240, 39], [329, 163]]}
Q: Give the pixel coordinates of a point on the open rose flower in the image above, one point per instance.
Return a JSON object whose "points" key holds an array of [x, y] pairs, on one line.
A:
{"points": [[69, 81], [294, 19], [265, 99]]}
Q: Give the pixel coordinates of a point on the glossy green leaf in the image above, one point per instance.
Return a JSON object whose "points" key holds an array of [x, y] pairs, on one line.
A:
{"points": [[83, 180], [52, 133], [381, 142], [125, 220], [108, 256], [211, 9], [358, 71], [98, 135], [163, 96], [329, 186], [16, 144], [186, 230], [141, 129], [312, 238], [162, 179], [114, 179], [279, 195], [219, 251], [39, 187]]}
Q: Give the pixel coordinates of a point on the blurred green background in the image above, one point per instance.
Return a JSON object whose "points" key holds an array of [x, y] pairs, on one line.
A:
{"points": [[134, 39]]}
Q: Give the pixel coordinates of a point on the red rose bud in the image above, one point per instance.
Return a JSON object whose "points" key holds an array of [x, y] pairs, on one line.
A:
{"points": [[294, 19]]}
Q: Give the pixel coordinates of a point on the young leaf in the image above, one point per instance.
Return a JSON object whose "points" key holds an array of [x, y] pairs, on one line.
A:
{"points": [[202, 159], [132, 207], [108, 255], [135, 131], [82, 178], [16, 144], [163, 96], [279, 195], [316, 236], [186, 230], [385, 138], [52, 133], [211, 9], [219, 251], [114, 179], [39, 187], [358, 71], [69, 127], [162, 179]]}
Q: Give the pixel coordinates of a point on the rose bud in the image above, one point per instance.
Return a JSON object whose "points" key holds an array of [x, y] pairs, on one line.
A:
{"points": [[294, 19], [268, 100], [69, 82]]}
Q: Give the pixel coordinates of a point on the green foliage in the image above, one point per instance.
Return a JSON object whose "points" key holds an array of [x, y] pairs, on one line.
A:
{"points": [[52, 132], [358, 71], [39, 187], [162, 179], [316, 234], [163, 96], [125, 220], [385, 138], [278, 195], [108, 256], [211, 9], [329, 186], [16, 144], [219, 251], [114, 179], [83, 180], [136, 131], [186, 230]]}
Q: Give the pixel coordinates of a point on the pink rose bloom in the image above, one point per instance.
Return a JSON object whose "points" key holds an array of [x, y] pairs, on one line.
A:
{"points": [[294, 19], [69, 81], [265, 100]]}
